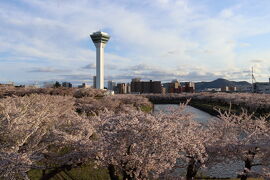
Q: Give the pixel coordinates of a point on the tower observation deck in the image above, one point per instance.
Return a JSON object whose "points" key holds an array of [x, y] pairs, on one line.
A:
{"points": [[100, 39]]}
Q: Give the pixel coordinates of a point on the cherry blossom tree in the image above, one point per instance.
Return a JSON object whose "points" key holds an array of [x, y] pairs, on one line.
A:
{"points": [[135, 143], [240, 138], [60, 91], [34, 129], [143, 145], [117, 103], [45, 132]]}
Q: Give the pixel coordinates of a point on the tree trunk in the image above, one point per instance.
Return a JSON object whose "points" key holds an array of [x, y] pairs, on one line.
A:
{"points": [[126, 176], [192, 169], [54, 172], [248, 165], [112, 172], [51, 174], [43, 172]]}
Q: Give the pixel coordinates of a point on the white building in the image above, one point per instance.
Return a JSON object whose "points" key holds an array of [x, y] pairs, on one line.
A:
{"points": [[212, 90], [84, 85], [111, 85]]}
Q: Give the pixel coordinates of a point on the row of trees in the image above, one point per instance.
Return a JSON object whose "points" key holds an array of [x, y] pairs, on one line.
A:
{"points": [[60, 91], [45, 132]]}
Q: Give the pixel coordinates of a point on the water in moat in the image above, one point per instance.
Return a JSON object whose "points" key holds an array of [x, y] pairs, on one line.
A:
{"points": [[219, 170], [199, 115]]}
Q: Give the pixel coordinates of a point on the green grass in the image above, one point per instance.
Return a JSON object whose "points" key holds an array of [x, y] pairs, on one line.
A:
{"points": [[146, 108], [87, 172]]}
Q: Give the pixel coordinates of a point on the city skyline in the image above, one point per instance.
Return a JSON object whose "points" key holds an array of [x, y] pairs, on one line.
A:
{"points": [[159, 40]]}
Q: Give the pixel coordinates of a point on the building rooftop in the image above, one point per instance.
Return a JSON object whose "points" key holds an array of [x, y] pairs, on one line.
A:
{"points": [[100, 33]]}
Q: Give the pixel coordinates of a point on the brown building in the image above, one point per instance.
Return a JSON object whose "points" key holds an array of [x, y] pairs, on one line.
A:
{"points": [[163, 90], [7, 85], [228, 89], [135, 85], [138, 86], [232, 88], [189, 87], [121, 88], [173, 87]]}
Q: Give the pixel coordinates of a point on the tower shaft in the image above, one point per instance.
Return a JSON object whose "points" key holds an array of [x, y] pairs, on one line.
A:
{"points": [[100, 65]]}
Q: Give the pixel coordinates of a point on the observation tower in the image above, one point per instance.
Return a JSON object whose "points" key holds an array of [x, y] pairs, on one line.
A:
{"points": [[100, 39]]}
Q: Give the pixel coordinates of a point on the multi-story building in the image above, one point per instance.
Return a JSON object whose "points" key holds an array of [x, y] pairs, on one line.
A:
{"points": [[67, 84], [173, 87], [229, 89], [84, 86], [111, 85], [244, 88], [145, 87], [262, 87], [225, 89], [163, 90], [121, 88], [232, 88], [128, 88], [189, 87], [138, 86], [155, 87], [212, 90], [7, 85], [135, 85]]}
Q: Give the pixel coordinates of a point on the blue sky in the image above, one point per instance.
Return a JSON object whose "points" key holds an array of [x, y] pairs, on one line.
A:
{"points": [[189, 40]]}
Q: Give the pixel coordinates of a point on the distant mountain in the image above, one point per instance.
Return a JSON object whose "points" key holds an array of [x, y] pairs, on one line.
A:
{"points": [[219, 83]]}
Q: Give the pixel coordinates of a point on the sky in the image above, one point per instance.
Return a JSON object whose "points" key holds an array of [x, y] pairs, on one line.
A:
{"points": [[188, 40]]}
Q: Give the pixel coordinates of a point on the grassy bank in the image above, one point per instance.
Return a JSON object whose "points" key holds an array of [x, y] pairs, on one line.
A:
{"points": [[86, 172]]}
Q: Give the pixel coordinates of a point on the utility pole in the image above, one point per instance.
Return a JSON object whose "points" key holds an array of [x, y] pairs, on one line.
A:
{"points": [[253, 81]]}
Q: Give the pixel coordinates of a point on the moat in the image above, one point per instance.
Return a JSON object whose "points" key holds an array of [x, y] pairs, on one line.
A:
{"points": [[226, 170]]}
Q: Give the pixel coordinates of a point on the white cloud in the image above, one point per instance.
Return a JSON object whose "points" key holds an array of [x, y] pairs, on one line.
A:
{"points": [[48, 70], [165, 33], [90, 66]]}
